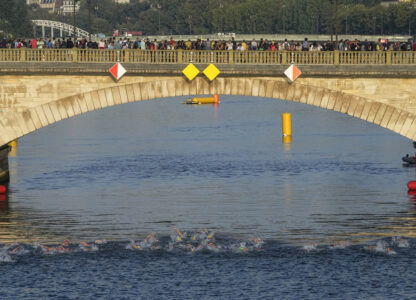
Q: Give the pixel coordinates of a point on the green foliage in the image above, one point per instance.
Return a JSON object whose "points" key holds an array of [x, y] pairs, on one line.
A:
{"points": [[211, 16], [14, 18]]}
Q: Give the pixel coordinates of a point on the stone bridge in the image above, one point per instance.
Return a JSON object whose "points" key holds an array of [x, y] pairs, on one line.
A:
{"points": [[35, 95]]}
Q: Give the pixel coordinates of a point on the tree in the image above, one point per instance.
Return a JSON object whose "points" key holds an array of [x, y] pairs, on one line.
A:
{"points": [[14, 18]]}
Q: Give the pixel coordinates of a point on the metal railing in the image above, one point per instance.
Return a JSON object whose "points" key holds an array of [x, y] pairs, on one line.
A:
{"points": [[207, 57]]}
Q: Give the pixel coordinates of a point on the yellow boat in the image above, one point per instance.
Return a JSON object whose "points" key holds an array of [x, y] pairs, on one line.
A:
{"points": [[204, 100]]}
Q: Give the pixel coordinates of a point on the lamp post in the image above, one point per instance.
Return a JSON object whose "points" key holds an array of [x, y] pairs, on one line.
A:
{"points": [[284, 18], [75, 18], [252, 24], [158, 9], [346, 19], [190, 24], [221, 17]]}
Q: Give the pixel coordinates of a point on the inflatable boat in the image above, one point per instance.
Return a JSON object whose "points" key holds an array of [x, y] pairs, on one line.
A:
{"points": [[411, 160]]}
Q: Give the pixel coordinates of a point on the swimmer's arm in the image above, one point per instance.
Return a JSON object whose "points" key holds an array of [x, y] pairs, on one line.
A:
{"points": [[14, 250], [178, 232]]}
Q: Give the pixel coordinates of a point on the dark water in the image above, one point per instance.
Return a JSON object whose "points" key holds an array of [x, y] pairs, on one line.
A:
{"points": [[121, 173]]}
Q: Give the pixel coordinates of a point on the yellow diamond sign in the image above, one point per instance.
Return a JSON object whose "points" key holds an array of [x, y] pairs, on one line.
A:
{"points": [[211, 72], [190, 72]]}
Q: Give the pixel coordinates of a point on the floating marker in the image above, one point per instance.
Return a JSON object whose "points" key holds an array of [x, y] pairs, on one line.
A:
{"points": [[117, 71], [411, 185], [2, 189], [286, 124], [287, 139]]}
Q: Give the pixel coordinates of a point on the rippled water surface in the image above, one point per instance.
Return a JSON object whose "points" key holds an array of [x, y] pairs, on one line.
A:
{"points": [[123, 172]]}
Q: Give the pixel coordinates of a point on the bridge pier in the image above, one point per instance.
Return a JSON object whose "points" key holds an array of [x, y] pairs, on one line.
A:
{"points": [[4, 163]]}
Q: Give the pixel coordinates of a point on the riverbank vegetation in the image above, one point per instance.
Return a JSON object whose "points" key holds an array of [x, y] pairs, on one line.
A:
{"points": [[164, 17]]}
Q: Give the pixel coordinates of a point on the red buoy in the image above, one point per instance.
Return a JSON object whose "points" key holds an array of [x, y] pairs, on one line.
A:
{"points": [[2, 189], [411, 185]]}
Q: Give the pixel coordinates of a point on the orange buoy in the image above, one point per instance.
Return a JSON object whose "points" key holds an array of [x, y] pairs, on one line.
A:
{"points": [[216, 98], [2, 189], [411, 185]]}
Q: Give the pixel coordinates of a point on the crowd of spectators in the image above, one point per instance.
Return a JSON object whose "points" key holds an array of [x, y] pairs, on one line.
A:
{"points": [[201, 44]]}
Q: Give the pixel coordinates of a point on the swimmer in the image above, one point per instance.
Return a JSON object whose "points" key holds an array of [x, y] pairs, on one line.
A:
{"points": [[189, 247], [243, 247], [84, 246], [137, 247], [203, 235], [310, 247], [381, 247], [210, 236], [65, 243], [48, 250], [13, 251], [340, 245], [11, 248], [64, 247], [133, 245], [400, 242], [150, 239], [100, 242], [178, 237], [390, 251], [257, 243], [178, 232]]}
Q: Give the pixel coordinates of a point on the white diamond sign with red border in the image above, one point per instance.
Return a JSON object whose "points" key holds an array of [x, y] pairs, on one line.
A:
{"points": [[117, 71], [292, 72]]}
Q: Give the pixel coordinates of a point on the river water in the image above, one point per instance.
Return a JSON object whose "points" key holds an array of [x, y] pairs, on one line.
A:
{"points": [[325, 211]]}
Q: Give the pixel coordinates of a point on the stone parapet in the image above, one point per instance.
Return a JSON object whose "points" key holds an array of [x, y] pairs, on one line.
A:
{"points": [[227, 70]]}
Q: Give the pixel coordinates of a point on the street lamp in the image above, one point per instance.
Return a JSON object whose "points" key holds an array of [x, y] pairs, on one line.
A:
{"points": [[284, 18], [190, 24], [158, 8], [221, 17], [75, 18]]}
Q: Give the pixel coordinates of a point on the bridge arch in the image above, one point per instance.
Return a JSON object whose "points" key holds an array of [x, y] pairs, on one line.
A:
{"points": [[62, 27], [18, 124]]}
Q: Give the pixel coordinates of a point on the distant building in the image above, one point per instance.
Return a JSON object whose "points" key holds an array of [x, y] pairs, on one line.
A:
{"points": [[30, 2], [129, 1], [391, 2], [48, 4], [67, 7]]}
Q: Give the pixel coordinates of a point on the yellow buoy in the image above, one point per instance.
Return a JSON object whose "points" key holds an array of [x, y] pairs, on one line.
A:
{"points": [[286, 124], [287, 139]]}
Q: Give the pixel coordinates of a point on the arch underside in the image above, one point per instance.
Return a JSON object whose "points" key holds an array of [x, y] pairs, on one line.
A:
{"points": [[17, 124]]}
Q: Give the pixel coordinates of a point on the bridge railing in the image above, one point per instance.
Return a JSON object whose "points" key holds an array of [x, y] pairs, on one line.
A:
{"points": [[206, 57]]}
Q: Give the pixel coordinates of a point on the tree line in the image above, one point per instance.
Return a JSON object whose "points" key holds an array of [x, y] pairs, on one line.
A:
{"points": [[166, 17]]}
